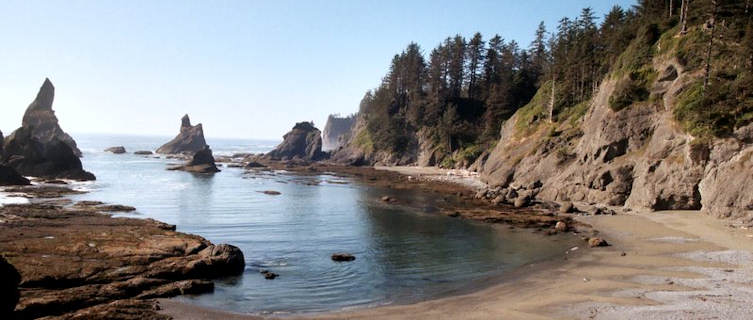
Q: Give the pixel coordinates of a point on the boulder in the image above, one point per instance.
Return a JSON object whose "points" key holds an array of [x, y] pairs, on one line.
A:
{"points": [[53, 159], [116, 150], [269, 275], [189, 140], [566, 207], [202, 162], [560, 226], [254, 164], [9, 177], [303, 142], [41, 119], [342, 257], [271, 192], [8, 287], [597, 242]]}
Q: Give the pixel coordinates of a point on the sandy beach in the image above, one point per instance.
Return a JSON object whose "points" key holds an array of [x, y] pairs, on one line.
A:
{"points": [[660, 265]]}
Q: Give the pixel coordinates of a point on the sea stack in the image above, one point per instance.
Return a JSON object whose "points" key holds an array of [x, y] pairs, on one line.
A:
{"points": [[190, 139], [202, 162], [41, 119], [39, 147], [304, 142]]}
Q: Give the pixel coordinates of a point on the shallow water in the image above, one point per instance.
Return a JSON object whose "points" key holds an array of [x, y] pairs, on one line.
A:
{"points": [[403, 254]]}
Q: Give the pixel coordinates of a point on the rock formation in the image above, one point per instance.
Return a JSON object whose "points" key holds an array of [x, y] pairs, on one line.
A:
{"points": [[189, 140], [8, 287], [41, 119], [636, 157], [116, 150], [10, 177], [92, 260], [39, 147], [304, 142], [202, 162], [336, 131]]}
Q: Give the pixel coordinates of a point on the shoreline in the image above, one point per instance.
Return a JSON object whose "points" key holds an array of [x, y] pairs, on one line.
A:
{"points": [[78, 260], [657, 267]]}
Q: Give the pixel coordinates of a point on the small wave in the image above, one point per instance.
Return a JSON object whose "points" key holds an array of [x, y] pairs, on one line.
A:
{"points": [[9, 198]]}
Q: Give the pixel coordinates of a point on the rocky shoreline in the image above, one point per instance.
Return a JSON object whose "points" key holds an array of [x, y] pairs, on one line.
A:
{"points": [[76, 261]]}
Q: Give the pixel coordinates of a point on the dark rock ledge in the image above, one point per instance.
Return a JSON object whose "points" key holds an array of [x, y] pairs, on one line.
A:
{"points": [[77, 262]]}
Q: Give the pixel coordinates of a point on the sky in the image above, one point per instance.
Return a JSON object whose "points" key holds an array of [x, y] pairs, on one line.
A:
{"points": [[245, 69]]}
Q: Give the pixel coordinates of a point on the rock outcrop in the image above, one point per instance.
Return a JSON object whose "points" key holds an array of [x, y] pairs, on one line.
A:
{"points": [[637, 157], [190, 139], [336, 131], [9, 177], [116, 150], [202, 162], [52, 160], [39, 147], [8, 287], [41, 119], [92, 260], [304, 142]]}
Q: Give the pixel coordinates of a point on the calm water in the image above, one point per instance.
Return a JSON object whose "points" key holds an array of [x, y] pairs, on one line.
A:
{"points": [[403, 254]]}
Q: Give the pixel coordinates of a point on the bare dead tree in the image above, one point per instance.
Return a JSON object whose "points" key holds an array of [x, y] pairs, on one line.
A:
{"points": [[684, 16], [714, 9]]}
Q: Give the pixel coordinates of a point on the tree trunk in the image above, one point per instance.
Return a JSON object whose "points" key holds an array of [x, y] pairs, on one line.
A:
{"points": [[715, 5], [671, 5], [551, 100], [684, 16]]}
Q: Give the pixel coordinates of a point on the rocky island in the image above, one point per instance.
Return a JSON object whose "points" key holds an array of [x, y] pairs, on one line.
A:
{"points": [[190, 139], [39, 147]]}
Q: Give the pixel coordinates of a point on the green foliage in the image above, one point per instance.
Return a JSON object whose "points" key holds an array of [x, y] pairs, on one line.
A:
{"points": [[632, 89], [529, 115], [363, 141]]}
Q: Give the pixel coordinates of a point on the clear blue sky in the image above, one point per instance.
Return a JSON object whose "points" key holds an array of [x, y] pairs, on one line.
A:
{"points": [[246, 69]]}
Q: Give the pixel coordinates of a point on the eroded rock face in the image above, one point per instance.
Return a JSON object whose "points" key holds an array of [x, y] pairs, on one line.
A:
{"points": [[39, 147], [637, 157], [336, 131], [202, 162], [304, 142], [189, 140], [41, 119]]}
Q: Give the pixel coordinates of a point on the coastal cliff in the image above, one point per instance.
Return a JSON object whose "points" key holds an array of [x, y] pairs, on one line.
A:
{"points": [[336, 131], [662, 121]]}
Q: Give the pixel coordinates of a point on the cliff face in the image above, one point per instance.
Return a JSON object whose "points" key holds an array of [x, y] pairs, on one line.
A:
{"points": [[303, 142], [336, 131], [638, 157], [189, 140]]}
